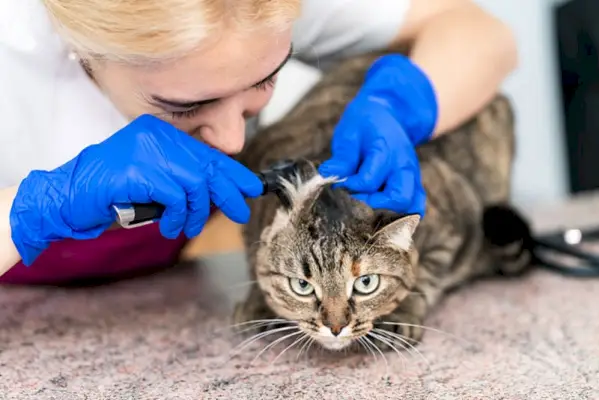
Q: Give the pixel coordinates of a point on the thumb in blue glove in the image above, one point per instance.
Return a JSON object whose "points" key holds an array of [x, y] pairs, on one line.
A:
{"points": [[147, 161], [373, 145]]}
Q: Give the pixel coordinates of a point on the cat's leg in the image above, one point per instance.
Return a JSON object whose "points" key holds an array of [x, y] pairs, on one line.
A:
{"points": [[254, 313], [442, 264], [404, 327]]}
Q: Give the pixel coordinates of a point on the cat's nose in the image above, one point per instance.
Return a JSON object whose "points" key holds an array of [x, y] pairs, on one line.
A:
{"points": [[335, 317], [336, 329]]}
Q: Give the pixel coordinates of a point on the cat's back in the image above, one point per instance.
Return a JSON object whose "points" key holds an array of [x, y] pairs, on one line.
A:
{"points": [[465, 167], [481, 151]]}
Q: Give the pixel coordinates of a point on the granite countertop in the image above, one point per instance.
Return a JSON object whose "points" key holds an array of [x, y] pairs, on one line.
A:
{"points": [[165, 337]]}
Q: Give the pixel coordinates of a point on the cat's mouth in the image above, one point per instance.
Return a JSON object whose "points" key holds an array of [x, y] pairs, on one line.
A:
{"points": [[335, 341]]}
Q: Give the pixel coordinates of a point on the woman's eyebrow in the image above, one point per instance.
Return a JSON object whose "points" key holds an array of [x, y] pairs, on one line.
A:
{"points": [[181, 103], [176, 103], [281, 65]]}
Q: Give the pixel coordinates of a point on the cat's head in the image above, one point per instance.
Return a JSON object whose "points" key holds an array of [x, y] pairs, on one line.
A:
{"points": [[331, 263]]}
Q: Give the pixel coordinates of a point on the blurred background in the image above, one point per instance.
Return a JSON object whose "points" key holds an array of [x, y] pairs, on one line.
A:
{"points": [[554, 90]]}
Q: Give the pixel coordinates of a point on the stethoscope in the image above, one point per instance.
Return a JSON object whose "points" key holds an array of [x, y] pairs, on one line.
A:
{"points": [[563, 252]]}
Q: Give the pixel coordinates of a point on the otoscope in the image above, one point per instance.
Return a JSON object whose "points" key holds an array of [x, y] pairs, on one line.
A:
{"points": [[138, 214]]}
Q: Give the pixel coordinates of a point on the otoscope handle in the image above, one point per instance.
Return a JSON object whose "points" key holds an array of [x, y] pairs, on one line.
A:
{"points": [[139, 214]]}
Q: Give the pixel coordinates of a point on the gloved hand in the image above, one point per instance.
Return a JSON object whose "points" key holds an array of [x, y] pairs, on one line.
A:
{"points": [[148, 160], [374, 142]]}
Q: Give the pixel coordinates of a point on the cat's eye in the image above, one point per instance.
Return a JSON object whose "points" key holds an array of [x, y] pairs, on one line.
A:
{"points": [[366, 284], [301, 287]]}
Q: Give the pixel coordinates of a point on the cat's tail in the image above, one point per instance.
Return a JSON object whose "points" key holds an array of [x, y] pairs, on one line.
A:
{"points": [[509, 239]]}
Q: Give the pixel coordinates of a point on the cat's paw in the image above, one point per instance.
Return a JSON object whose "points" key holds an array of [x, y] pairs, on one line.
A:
{"points": [[253, 316], [400, 330], [246, 317]]}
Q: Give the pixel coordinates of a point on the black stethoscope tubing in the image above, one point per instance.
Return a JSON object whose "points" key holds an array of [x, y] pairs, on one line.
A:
{"points": [[557, 243]]}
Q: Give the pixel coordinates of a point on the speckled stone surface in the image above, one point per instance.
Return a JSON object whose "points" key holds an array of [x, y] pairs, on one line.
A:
{"points": [[166, 337]]}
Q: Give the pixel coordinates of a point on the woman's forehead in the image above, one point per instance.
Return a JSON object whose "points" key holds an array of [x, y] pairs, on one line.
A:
{"points": [[230, 65]]}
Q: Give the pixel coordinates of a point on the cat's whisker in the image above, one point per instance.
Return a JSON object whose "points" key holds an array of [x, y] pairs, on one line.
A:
{"points": [[322, 243], [366, 346], [279, 340], [258, 336], [370, 243], [308, 343], [240, 285], [403, 343], [367, 251], [389, 343], [405, 340], [257, 326], [258, 321], [257, 242], [376, 233], [295, 342], [410, 347], [263, 321], [380, 352], [426, 328]]}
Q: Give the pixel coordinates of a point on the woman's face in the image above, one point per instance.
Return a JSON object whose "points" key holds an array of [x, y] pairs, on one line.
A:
{"points": [[209, 93]]}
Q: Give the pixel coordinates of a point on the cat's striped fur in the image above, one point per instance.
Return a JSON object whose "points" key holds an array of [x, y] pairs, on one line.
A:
{"points": [[328, 240]]}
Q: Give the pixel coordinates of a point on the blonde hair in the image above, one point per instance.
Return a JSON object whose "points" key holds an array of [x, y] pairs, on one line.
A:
{"points": [[142, 31]]}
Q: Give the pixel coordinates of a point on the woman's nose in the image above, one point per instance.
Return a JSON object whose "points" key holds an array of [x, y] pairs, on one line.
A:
{"points": [[224, 128]]}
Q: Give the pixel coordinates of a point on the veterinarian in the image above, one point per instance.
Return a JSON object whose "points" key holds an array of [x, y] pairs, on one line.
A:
{"points": [[136, 101]]}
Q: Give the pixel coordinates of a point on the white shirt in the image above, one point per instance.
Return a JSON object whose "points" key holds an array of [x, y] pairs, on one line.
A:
{"points": [[50, 110]]}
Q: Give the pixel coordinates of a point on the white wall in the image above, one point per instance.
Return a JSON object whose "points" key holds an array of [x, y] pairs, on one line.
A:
{"points": [[540, 175]]}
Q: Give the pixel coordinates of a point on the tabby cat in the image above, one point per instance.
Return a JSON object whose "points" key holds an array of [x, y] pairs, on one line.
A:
{"points": [[338, 268]]}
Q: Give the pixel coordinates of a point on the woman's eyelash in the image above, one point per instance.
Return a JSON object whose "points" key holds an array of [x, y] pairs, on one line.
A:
{"points": [[264, 85], [185, 114]]}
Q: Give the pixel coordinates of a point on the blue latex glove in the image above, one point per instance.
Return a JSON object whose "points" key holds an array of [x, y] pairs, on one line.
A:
{"points": [[374, 143], [148, 160]]}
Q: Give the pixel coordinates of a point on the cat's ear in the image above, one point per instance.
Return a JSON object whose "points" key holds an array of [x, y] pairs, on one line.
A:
{"points": [[395, 230]]}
